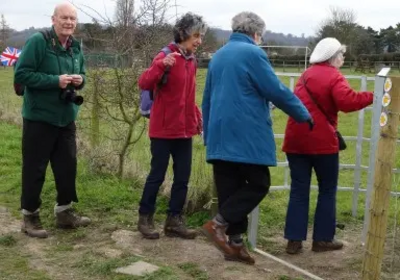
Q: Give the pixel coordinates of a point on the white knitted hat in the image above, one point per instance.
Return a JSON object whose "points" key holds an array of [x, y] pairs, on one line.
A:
{"points": [[324, 50]]}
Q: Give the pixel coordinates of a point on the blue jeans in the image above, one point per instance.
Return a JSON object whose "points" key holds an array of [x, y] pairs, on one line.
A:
{"points": [[161, 151], [327, 171]]}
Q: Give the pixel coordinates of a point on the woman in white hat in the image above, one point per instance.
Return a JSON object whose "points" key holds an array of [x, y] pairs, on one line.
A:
{"points": [[324, 91]]}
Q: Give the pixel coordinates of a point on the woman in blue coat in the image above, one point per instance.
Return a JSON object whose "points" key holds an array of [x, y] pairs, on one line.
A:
{"points": [[238, 130]]}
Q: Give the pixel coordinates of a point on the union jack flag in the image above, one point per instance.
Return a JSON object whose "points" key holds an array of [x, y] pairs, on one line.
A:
{"points": [[10, 56]]}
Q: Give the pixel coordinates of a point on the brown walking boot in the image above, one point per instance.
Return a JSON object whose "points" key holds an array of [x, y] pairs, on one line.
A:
{"points": [[294, 247], [239, 254], [146, 227], [325, 246], [32, 226], [216, 234], [175, 227], [68, 219]]}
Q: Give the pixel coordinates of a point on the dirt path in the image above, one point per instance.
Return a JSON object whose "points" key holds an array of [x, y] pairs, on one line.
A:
{"points": [[338, 265], [33, 250], [175, 252], [94, 253]]}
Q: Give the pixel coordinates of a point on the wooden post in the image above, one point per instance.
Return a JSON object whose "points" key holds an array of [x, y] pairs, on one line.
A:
{"points": [[379, 209], [95, 116]]}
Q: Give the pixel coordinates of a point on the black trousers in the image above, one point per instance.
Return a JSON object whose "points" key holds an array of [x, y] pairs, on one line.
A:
{"points": [[43, 143], [161, 150], [240, 188]]}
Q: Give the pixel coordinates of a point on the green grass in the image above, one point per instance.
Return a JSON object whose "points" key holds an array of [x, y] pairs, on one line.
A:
{"points": [[194, 271], [15, 265], [7, 241], [102, 196], [110, 202], [113, 200]]}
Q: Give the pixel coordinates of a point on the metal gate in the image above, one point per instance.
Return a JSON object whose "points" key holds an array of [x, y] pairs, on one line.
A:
{"points": [[356, 166]]}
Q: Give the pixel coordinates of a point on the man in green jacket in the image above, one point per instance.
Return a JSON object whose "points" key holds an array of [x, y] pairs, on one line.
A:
{"points": [[50, 69]]}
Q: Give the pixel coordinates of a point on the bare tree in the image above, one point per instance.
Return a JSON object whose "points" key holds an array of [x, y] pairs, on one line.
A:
{"points": [[153, 12], [131, 41], [4, 32], [125, 13], [341, 24], [122, 111]]}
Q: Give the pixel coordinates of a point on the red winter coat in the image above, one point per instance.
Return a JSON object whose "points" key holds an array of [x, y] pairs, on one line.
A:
{"points": [[174, 113], [333, 93]]}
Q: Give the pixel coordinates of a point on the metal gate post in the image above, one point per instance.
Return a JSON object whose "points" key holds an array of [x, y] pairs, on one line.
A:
{"points": [[375, 128], [360, 135]]}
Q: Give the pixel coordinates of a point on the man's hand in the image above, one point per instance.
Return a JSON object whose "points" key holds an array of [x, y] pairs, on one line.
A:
{"points": [[77, 80], [64, 80], [170, 60]]}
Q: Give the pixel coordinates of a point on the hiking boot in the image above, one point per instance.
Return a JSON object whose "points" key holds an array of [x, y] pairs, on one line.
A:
{"points": [[294, 247], [239, 254], [32, 226], [324, 246], [216, 234], [175, 227], [68, 219], [146, 227], [150, 221]]}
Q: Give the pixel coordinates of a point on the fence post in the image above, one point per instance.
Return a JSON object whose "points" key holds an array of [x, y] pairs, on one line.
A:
{"points": [[95, 114], [252, 230], [214, 200], [379, 210]]}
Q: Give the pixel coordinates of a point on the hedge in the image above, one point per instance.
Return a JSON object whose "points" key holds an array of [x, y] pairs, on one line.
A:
{"points": [[379, 57]]}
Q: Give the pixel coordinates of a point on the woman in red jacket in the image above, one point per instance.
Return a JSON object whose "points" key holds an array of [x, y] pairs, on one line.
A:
{"points": [[325, 92], [175, 119]]}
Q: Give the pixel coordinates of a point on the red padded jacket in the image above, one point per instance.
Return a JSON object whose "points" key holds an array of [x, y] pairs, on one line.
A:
{"points": [[174, 113], [333, 93]]}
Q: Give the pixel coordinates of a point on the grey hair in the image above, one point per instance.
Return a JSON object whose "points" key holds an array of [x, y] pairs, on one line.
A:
{"points": [[248, 23], [187, 25], [342, 50]]}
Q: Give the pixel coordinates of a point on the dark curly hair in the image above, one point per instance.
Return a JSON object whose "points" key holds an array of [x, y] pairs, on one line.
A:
{"points": [[188, 24]]}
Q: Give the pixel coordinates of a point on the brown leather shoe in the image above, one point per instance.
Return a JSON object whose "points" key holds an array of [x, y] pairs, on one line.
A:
{"points": [[239, 254], [146, 227], [175, 227], [216, 234], [294, 247], [324, 246], [68, 219], [32, 226]]}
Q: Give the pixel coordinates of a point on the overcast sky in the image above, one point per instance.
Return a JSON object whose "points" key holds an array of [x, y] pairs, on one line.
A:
{"points": [[286, 16]]}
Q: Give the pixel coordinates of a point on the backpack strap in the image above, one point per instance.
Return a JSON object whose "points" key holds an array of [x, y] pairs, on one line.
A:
{"points": [[166, 50], [164, 78], [46, 34]]}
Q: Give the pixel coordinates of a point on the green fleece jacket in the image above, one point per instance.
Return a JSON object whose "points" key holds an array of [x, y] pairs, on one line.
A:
{"points": [[38, 69]]}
